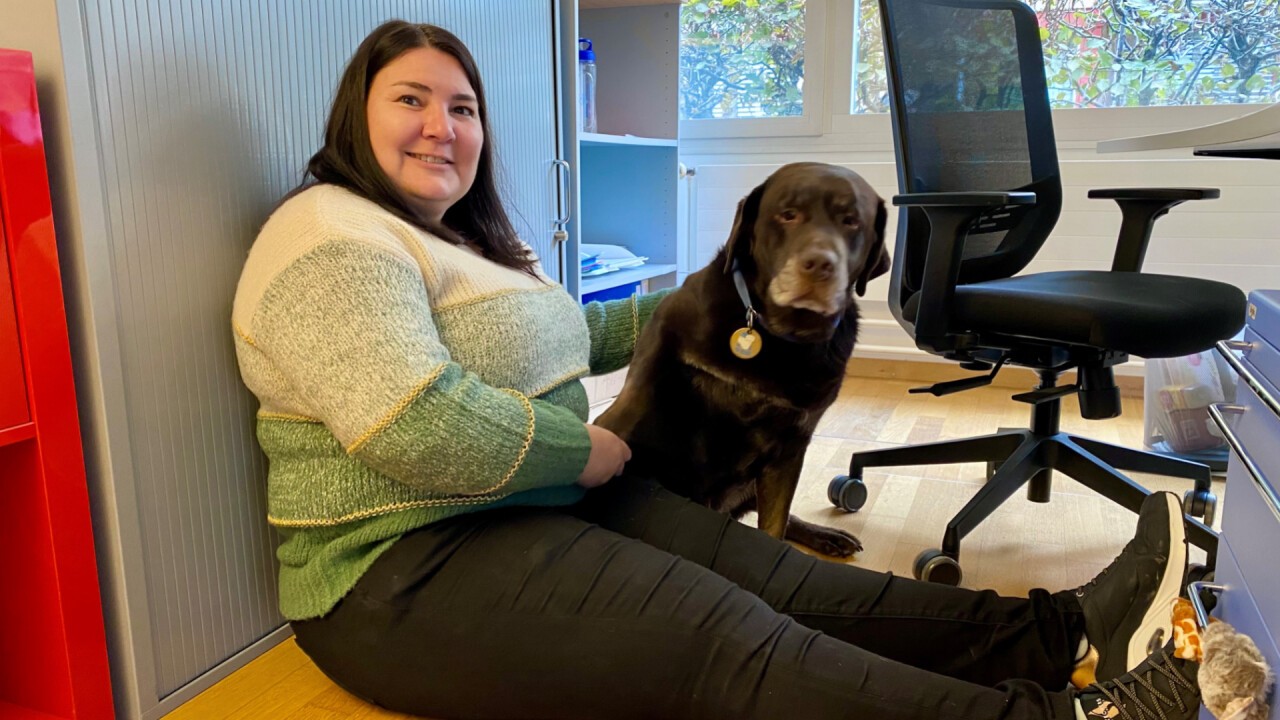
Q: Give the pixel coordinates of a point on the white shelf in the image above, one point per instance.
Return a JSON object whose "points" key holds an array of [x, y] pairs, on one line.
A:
{"points": [[601, 140], [622, 277]]}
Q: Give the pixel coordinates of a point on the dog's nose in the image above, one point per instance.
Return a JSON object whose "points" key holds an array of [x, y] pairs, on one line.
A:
{"points": [[818, 264]]}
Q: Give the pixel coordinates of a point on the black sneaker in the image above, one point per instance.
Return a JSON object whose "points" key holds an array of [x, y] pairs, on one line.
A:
{"points": [[1127, 607], [1162, 687]]}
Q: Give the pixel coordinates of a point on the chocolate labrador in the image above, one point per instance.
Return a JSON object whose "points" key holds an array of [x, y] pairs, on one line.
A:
{"points": [[736, 367]]}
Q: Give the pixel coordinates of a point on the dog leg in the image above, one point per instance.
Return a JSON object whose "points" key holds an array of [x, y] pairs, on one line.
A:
{"points": [[828, 541], [775, 490]]}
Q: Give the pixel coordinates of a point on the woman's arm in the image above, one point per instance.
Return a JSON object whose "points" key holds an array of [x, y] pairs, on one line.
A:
{"points": [[350, 328], [615, 325]]}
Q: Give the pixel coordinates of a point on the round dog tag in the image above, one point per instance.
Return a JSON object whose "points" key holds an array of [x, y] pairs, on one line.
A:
{"points": [[745, 343]]}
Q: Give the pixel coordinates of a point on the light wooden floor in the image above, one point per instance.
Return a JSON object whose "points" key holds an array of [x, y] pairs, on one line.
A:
{"points": [[1023, 545]]}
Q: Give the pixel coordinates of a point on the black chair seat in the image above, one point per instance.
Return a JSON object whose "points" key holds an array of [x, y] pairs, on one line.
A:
{"points": [[1148, 315]]}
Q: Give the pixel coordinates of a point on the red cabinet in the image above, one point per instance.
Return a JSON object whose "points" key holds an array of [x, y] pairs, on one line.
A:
{"points": [[13, 386], [53, 655]]}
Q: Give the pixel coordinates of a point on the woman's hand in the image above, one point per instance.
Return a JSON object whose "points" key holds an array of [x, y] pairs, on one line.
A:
{"points": [[609, 454]]}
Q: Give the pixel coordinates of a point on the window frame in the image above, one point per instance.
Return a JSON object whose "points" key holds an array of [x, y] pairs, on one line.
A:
{"points": [[1073, 127], [813, 98], [841, 120]]}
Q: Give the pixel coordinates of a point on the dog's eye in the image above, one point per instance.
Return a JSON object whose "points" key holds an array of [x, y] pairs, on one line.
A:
{"points": [[788, 216], [850, 221]]}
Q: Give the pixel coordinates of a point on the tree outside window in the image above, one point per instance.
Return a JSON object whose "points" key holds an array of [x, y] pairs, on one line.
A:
{"points": [[741, 59], [1126, 53]]}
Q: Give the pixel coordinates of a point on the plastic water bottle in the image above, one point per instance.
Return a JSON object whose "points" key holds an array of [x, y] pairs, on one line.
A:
{"points": [[586, 86]]}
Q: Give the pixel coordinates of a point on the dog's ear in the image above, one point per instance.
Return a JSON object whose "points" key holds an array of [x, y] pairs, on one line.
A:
{"points": [[743, 226], [878, 259]]}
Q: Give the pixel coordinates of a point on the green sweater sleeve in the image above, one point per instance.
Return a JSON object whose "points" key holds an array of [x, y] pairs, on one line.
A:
{"points": [[349, 328], [615, 325]]}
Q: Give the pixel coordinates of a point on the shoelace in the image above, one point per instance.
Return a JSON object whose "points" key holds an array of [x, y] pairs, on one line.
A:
{"points": [[1127, 699], [1080, 591]]}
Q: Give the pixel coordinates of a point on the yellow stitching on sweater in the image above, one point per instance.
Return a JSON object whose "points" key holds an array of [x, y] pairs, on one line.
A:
{"points": [[286, 417], [483, 497], [381, 510], [490, 296], [396, 411], [567, 377], [528, 440], [408, 399], [635, 322], [243, 335]]}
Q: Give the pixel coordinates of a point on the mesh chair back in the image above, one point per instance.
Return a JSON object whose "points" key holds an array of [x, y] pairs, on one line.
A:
{"points": [[970, 112]]}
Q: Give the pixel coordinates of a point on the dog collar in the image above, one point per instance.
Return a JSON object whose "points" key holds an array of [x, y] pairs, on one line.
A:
{"points": [[740, 283], [746, 342]]}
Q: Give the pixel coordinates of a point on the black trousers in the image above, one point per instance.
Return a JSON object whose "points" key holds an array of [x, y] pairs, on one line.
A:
{"points": [[639, 604]]}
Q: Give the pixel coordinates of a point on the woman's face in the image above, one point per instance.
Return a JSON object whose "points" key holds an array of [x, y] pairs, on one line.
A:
{"points": [[424, 125]]}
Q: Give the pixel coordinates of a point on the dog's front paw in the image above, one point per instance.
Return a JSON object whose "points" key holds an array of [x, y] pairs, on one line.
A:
{"points": [[828, 541], [836, 543]]}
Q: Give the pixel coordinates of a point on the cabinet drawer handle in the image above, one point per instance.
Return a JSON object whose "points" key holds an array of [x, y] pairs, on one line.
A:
{"points": [[1225, 348], [1193, 594], [1216, 411], [562, 167]]}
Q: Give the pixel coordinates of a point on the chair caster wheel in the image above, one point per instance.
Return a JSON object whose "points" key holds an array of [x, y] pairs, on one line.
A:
{"points": [[1200, 504], [848, 494], [1199, 573], [935, 566]]}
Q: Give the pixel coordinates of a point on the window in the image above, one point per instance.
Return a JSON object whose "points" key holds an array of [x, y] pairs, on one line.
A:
{"points": [[1124, 53], [741, 58], [750, 67], [870, 92]]}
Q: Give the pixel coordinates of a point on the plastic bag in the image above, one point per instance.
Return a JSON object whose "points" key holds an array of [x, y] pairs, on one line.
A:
{"points": [[1178, 394]]}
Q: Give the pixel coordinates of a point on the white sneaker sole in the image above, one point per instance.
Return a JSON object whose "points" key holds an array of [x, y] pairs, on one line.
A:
{"points": [[1159, 614]]}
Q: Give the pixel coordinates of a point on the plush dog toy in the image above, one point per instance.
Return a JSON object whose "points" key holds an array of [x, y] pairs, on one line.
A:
{"points": [[1234, 678]]}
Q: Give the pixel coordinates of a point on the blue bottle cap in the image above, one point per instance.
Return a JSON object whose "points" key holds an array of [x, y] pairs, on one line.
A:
{"points": [[585, 53]]}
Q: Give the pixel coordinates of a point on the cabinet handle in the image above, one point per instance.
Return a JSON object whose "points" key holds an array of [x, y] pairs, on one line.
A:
{"points": [[563, 192], [1193, 594], [1216, 411], [1225, 348]]}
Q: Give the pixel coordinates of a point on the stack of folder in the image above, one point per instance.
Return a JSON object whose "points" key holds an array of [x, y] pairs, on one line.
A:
{"points": [[602, 259]]}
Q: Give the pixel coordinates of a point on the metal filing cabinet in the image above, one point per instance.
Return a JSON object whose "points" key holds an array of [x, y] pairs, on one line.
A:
{"points": [[1247, 565]]}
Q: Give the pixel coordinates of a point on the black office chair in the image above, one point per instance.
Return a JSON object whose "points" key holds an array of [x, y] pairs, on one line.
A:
{"points": [[978, 172]]}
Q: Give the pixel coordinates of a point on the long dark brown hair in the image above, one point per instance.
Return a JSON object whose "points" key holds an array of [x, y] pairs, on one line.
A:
{"points": [[347, 158]]}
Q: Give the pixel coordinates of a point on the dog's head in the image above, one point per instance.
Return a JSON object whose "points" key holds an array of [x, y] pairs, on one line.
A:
{"points": [[809, 237]]}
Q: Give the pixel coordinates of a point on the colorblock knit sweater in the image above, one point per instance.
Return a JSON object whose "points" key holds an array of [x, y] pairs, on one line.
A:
{"points": [[403, 380]]}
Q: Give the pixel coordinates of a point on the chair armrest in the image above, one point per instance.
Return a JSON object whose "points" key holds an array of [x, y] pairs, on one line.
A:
{"points": [[1139, 209], [950, 215], [964, 199], [1155, 193]]}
